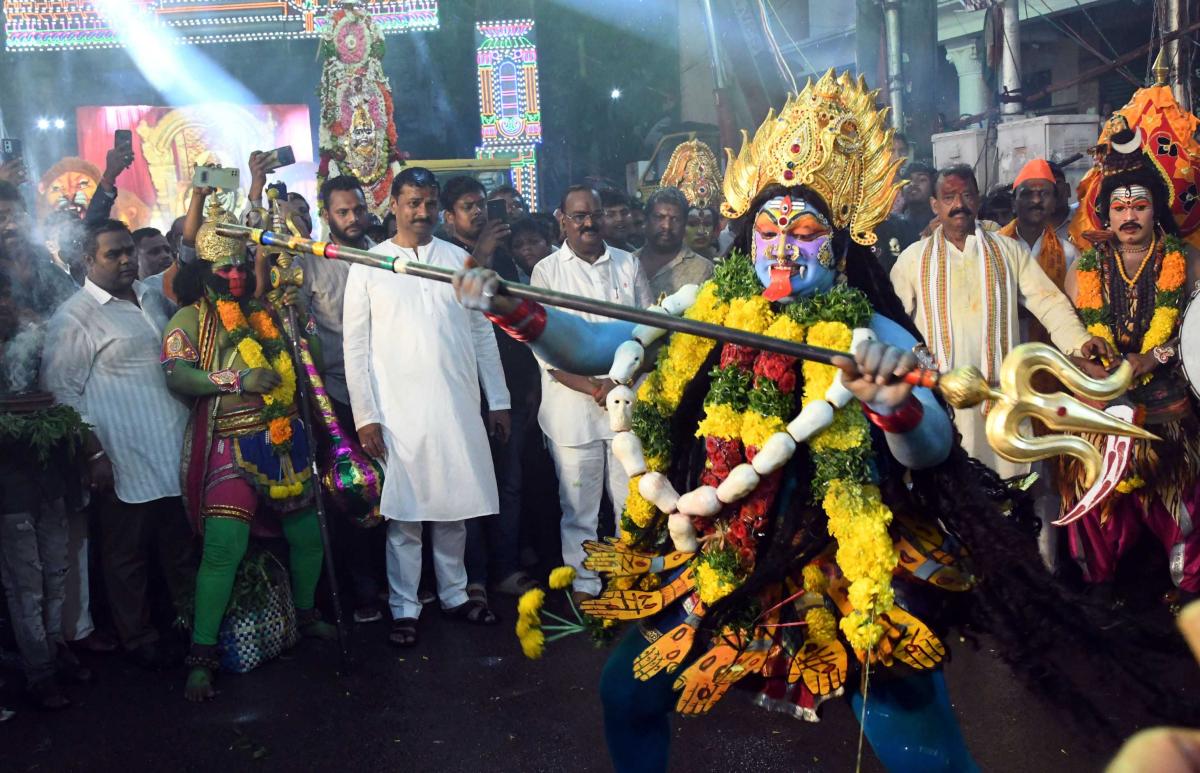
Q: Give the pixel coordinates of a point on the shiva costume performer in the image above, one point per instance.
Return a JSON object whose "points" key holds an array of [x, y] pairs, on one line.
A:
{"points": [[1134, 298], [245, 446], [803, 505]]}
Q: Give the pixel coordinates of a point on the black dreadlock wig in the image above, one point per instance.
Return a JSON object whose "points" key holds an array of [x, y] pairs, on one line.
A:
{"points": [[1036, 623]]}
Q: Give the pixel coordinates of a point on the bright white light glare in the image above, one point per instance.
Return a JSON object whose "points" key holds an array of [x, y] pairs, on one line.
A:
{"points": [[43, 124], [60, 123], [183, 74], [616, 94]]}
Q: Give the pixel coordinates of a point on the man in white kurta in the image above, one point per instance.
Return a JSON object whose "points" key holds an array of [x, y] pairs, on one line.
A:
{"points": [[572, 413], [415, 359], [965, 322]]}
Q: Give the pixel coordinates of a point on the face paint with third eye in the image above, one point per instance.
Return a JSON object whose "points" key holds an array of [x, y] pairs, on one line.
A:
{"points": [[793, 251]]}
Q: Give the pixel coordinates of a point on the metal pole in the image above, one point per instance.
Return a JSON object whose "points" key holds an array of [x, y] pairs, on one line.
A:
{"points": [[895, 69], [400, 265], [283, 276], [1010, 61], [1174, 52], [720, 93]]}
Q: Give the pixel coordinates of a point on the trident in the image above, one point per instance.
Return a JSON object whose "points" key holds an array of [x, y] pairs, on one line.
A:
{"points": [[1015, 400]]}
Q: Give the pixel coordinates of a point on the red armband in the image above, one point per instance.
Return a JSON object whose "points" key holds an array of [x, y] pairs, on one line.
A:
{"points": [[905, 418], [525, 323]]}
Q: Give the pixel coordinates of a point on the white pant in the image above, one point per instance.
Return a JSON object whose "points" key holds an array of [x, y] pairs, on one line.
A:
{"points": [[404, 564], [582, 474], [77, 614]]}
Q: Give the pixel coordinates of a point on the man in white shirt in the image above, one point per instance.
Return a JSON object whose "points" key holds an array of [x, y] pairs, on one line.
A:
{"points": [[415, 359], [102, 357], [962, 287], [572, 413]]}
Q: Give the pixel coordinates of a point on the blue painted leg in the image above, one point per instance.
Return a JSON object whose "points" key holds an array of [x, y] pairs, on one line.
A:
{"points": [[912, 727], [637, 715]]}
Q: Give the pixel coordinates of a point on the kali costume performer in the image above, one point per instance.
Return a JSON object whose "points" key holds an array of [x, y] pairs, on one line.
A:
{"points": [[1131, 288], [798, 549], [245, 449]]}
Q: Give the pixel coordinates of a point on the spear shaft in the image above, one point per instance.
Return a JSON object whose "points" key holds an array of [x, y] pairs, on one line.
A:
{"points": [[409, 267]]}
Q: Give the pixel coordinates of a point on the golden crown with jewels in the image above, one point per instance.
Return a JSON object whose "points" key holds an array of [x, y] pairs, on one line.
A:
{"points": [[832, 139], [212, 246], [694, 170]]}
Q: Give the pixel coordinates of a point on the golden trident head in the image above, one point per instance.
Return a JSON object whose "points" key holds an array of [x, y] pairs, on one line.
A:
{"points": [[1016, 400]]}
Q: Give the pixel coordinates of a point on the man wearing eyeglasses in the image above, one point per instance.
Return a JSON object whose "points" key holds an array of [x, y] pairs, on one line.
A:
{"points": [[572, 412]]}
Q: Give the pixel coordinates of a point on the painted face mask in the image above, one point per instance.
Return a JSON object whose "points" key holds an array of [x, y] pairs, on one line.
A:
{"points": [[793, 252], [232, 280]]}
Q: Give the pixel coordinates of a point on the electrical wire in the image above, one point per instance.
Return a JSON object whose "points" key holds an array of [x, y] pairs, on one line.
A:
{"points": [[1070, 32], [791, 41], [784, 69]]}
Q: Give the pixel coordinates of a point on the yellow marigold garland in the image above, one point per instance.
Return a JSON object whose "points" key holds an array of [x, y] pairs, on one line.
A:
{"points": [[248, 335], [1089, 298]]}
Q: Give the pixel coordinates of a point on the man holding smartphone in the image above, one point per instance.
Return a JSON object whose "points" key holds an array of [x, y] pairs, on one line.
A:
{"points": [[117, 160]]}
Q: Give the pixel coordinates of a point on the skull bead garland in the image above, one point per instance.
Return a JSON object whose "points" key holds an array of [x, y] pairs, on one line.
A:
{"points": [[706, 501]]}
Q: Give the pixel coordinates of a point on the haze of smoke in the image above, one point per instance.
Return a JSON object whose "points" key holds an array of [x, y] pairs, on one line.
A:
{"points": [[20, 359]]}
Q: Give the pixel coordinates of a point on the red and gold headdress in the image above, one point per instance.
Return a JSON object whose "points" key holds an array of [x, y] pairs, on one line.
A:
{"points": [[830, 138], [1168, 154]]}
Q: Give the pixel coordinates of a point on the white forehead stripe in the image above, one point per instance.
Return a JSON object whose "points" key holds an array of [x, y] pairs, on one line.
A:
{"points": [[1132, 193]]}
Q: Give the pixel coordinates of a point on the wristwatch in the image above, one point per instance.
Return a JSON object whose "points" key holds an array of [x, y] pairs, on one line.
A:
{"points": [[1163, 354]]}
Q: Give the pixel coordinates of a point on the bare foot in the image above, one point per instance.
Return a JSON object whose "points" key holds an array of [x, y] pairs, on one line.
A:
{"points": [[199, 686]]}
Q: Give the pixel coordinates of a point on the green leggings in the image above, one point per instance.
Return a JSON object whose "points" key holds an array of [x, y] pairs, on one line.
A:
{"points": [[225, 541]]}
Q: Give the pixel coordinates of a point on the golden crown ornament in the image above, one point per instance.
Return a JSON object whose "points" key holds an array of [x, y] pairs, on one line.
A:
{"points": [[832, 139], [694, 170], [211, 245]]}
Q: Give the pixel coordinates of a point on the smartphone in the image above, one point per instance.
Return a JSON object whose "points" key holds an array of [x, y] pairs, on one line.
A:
{"points": [[9, 149], [280, 157], [497, 209], [123, 138], [225, 178]]}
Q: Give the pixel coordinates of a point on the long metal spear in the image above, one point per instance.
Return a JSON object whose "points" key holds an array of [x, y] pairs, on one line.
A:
{"points": [[286, 275], [1015, 399]]}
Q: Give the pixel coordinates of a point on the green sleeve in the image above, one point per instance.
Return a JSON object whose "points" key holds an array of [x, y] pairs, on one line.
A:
{"points": [[184, 375]]}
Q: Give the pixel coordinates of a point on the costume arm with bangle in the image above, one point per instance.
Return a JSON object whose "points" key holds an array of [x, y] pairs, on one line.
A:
{"points": [[927, 443], [575, 345], [181, 356]]}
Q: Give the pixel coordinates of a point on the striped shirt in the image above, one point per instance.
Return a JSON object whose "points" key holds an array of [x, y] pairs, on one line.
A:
{"points": [[101, 357]]}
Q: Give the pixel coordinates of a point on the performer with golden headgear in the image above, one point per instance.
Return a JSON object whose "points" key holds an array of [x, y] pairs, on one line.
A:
{"points": [[1131, 288], [787, 520], [245, 448], [694, 170]]}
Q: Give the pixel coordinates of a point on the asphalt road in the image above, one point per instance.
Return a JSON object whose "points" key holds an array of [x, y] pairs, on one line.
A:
{"points": [[466, 700]]}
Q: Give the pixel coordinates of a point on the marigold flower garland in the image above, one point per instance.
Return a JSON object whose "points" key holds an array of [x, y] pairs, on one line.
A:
{"points": [[258, 339], [749, 400], [1097, 316]]}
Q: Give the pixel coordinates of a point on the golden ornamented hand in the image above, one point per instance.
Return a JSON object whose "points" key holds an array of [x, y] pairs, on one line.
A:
{"points": [[636, 604], [823, 667], [611, 557], [669, 650]]}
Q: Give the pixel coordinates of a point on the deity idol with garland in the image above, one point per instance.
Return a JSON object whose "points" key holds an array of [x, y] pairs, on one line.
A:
{"points": [[827, 517], [1131, 288], [245, 449]]}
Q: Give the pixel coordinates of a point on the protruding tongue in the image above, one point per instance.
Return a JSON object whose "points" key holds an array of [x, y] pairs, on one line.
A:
{"points": [[781, 283]]}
